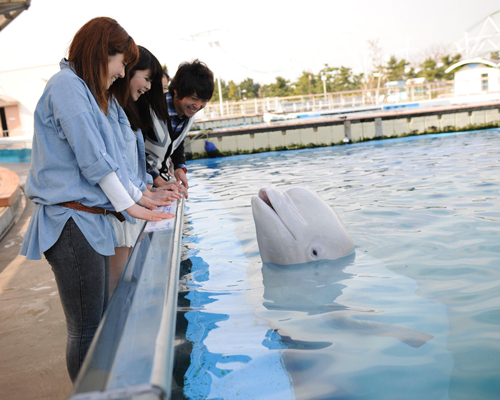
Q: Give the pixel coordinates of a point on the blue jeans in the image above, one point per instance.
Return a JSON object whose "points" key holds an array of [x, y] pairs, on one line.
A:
{"points": [[82, 277]]}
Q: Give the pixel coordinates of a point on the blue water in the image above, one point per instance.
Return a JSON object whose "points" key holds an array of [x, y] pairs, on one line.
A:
{"points": [[424, 214]]}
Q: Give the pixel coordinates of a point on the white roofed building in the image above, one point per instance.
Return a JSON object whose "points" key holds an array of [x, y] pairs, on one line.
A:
{"points": [[476, 76]]}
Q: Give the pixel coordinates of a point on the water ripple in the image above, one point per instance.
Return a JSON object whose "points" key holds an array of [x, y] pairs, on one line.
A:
{"points": [[426, 207]]}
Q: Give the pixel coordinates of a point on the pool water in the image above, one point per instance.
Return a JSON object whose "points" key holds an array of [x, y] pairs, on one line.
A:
{"points": [[414, 314]]}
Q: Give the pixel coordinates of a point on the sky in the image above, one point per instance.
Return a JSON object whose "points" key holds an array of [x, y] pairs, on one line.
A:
{"points": [[259, 39]]}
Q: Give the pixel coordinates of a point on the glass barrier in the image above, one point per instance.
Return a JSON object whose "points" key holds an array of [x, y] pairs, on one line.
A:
{"points": [[131, 356]]}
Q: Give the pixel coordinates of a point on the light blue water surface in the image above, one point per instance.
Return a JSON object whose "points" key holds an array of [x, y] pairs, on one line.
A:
{"points": [[424, 214]]}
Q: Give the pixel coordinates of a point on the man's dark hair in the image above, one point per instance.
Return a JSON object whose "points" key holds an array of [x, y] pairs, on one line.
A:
{"points": [[193, 77]]}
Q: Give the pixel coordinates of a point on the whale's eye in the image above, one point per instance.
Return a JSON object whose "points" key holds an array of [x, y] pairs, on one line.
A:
{"points": [[315, 250], [314, 253]]}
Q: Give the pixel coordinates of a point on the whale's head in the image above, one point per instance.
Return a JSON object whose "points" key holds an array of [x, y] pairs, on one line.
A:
{"points": [[297, 226]]}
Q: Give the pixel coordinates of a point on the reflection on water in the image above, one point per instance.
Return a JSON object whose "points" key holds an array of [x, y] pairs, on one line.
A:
{"points": [[415, 313], [338, 318]]}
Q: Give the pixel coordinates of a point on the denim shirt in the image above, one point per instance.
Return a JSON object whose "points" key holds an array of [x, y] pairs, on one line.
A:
{"points": [[131, 144], [141, 148], [74, 147]]}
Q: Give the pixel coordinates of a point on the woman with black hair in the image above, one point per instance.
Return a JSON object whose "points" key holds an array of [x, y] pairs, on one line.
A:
{"points": [[145, 100]]}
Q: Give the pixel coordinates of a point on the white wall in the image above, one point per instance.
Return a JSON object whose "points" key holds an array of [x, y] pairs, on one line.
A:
{"points": [[468, 80], [26, 86]]}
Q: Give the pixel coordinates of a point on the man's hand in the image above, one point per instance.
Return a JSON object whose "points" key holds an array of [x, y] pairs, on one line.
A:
{"points": [[161, 183], [180, 175]]}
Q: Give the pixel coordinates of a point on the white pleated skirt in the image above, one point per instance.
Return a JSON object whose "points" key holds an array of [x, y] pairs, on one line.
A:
{"points": [[126, 232]]}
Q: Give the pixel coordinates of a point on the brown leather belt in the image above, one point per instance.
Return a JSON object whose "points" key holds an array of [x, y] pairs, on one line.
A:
{"points": [[93, 210]]}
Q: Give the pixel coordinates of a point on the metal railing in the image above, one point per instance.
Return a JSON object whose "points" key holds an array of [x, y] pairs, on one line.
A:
{"points": [[131, 356], [328, 101]]}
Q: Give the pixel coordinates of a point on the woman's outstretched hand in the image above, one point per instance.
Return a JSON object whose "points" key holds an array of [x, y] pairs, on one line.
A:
{"points": [[152, 204], [162, 195], [138, 212]]}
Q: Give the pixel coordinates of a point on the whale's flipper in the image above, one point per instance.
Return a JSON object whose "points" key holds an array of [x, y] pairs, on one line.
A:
{"points": [[409, 336]]}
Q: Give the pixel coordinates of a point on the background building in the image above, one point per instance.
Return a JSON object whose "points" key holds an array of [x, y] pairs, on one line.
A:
{"points": [[27, 85], [476, 76]]}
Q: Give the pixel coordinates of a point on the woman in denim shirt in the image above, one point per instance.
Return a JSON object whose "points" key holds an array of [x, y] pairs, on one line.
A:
{"points": [[78, 177]]}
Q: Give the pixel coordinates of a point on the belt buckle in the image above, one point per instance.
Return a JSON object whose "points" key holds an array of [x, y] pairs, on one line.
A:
{"points": [[105, 212]]}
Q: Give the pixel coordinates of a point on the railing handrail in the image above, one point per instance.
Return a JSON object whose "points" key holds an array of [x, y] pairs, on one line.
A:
{"points": [[138, 325], [333, 100]]}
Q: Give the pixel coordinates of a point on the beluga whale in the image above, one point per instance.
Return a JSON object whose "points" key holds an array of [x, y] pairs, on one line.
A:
{"points": [[344, 323], [309, 264], [297, 226]]}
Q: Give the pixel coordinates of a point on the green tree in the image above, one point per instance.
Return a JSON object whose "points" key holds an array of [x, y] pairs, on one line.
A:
{"points": [[344, 79], [433, 70], [233, 91], [429, 70], [281, 88], [395, 70], [411, 73], [225, 90], [249, 88], [337, 79], [329, 73], [306, 84]]}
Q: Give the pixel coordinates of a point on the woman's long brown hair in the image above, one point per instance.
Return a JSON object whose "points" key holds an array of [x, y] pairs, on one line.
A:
{"points": [[89, 51]]}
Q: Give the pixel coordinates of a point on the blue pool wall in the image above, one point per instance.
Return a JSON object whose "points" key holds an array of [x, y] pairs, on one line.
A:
{"points": [[15, 155]]}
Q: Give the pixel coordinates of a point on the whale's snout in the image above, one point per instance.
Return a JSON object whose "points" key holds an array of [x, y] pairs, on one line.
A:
{"points": [[297, 226]]}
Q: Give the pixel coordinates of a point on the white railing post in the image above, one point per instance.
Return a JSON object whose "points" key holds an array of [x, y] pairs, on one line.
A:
{"points": [[220, 97]]}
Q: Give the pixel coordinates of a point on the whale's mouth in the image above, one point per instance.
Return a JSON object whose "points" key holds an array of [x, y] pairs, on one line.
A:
{"points": [[265, 198], [272, 217]]}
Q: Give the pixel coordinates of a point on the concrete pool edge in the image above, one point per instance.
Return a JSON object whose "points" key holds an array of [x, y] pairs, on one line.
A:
{"points": [[341, 130]]}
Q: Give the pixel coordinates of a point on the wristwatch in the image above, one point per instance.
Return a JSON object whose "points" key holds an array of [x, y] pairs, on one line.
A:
{"points": [[154, 173], [183, 166]]}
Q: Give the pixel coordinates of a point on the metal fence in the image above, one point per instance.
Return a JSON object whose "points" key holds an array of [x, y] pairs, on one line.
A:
{"points": [[328, 101]]}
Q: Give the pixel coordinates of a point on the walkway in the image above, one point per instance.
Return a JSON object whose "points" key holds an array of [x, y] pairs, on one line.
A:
{"points": [[32, 327]]}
